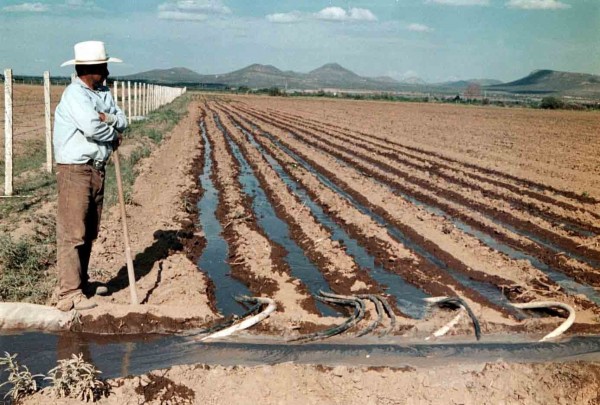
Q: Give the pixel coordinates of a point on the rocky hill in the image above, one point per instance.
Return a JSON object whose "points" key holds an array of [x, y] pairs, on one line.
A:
{"points": [[552, 82], [334, 76]]}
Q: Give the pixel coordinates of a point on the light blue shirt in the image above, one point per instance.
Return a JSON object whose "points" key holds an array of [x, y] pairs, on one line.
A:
{"points": [[79, 135]]}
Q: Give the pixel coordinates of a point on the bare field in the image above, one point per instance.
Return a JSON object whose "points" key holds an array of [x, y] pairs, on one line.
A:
{"points": [[283, 198], [28, 116], [557, 148]]}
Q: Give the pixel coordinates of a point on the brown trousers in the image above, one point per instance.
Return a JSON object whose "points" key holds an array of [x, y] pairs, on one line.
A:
{"points": [[80, 198]]}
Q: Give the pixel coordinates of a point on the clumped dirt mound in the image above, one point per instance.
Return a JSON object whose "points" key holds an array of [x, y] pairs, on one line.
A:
{"points": [[469, 384]]}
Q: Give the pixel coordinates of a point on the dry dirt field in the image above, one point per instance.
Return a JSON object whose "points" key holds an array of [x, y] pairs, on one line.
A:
{"points": [[399, 200], [28, 115]]}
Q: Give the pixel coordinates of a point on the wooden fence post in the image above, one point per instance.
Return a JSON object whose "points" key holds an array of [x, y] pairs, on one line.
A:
{"points": [[129, 101], [123, 98], [8, 133], [135, 99], [116, 91], [48, 120]]}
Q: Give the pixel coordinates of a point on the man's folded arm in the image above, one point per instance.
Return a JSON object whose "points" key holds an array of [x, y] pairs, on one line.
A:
{"points": [[86, 118]]}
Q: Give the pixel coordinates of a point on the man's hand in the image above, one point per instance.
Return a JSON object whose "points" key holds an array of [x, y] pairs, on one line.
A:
{"points": [[109, 119], [117, 142]]}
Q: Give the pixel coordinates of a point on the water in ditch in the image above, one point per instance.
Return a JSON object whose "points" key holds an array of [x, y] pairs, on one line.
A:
{"points": [[410, 299], [214, 258], [488, 290], [122, 356], [277, 230]]}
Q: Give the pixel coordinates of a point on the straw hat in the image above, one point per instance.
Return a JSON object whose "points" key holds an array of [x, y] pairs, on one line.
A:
{"points": [[90, 53]]}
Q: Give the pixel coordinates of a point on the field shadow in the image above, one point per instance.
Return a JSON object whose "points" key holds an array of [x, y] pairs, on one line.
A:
{"points": [[165, 244]]}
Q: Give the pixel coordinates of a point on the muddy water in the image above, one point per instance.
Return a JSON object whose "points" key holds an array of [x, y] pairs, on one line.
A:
{"points": [[408, 298], [490, 291], [214, 258], [138, 355], [277, 230]]}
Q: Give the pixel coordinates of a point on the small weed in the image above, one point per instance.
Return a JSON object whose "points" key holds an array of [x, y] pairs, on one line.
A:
{"points": [[585, 194], [138, 154], [76, 378], [153, 134], [23, 382], [23, 276]]}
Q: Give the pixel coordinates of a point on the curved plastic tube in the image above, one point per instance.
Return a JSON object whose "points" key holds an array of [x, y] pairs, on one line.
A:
{"points": [[248, 322], [444, 329], [459, 302], [552, 304], [378, 309], [19, 315], [359, 313]]}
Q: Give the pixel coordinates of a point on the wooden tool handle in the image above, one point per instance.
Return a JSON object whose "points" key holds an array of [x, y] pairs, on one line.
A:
{"points": [[130, 272]]}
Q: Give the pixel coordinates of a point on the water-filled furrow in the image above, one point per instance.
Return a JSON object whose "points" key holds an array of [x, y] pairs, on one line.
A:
{"points": [[408, 298], [571, 286], [214, 258], [434, 166], [489, 291], [276, 229], [545, 238], [544, 250]]}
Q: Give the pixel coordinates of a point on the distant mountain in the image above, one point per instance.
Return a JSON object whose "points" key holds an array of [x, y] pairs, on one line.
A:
{"points": [[553, 82], [172, 75], [334, 76], [463, 84], [255, 76], [330, 75], [413, 80]]}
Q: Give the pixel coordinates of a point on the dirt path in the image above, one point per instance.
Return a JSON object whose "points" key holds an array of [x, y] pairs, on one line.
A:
{"points": [[468, 384]]}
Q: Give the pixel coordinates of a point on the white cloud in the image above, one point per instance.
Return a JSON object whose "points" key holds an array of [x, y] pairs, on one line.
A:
{"points": [[362, 14], [419, 28], [191, 10], [339, 14], [180, 16], [80, 5], [27, 8], [460, 2], [537, 4], [285, 18]]}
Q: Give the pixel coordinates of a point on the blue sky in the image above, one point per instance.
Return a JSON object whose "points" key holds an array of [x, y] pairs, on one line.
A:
{"points": [[436, 40]]}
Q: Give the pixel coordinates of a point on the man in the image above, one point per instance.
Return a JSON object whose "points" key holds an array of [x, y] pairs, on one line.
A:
{"points": [[87, 127]]}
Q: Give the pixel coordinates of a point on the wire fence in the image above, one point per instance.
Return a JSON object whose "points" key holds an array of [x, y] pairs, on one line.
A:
{"points": [[27, 106]]}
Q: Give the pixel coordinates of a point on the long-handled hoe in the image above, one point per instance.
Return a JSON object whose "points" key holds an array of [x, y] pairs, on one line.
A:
{"points": [[130, 272]]}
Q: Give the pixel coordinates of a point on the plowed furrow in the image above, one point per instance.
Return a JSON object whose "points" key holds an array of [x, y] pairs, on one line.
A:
{"points": [[423, 234], [533, 189], [254, 259], [542, 236], [533, 280], [374, 238], [340, 270], [429, 173], [532, 185], [572, 218]]}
